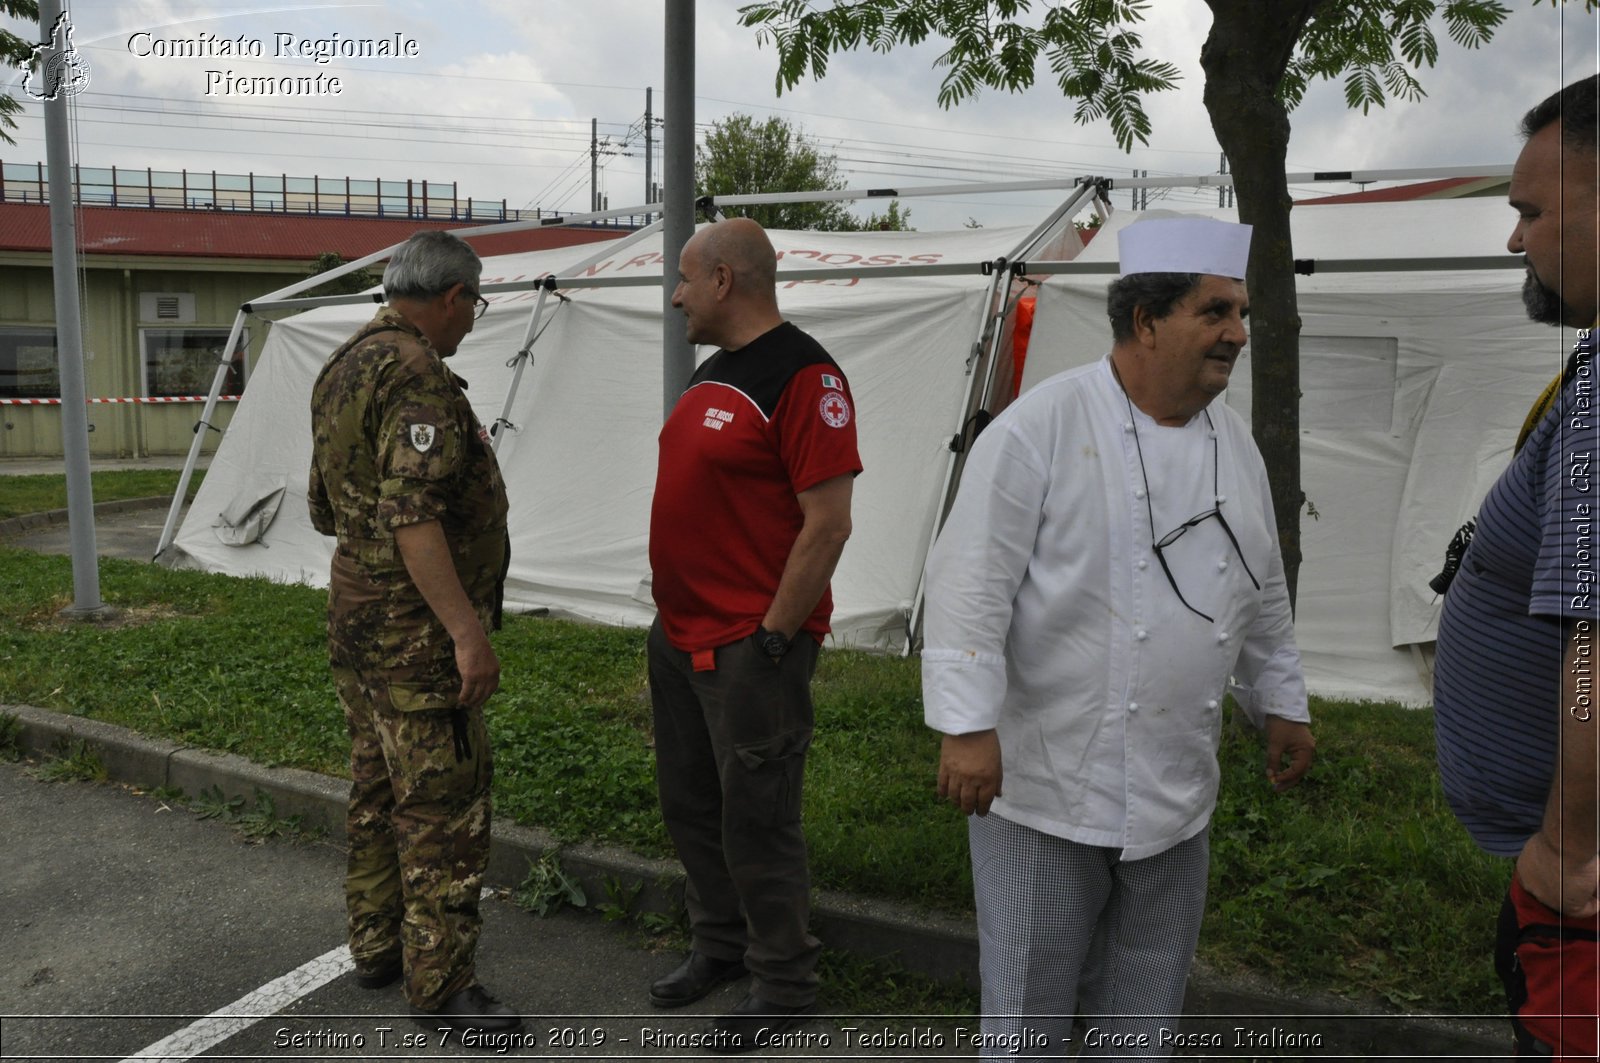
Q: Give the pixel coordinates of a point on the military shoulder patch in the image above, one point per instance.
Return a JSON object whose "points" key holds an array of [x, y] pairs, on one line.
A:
{"points": [[422, 437]]}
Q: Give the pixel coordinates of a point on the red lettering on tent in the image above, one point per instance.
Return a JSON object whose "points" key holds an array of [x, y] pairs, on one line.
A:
{"points": [[845, 282]]}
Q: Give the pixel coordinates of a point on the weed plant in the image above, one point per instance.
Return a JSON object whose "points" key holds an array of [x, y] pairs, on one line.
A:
{"points": [[72, 762], [1359, 881], [10, 737]]}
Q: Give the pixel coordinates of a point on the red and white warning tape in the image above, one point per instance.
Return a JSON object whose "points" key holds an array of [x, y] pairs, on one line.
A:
{"points": [[132, 401]]}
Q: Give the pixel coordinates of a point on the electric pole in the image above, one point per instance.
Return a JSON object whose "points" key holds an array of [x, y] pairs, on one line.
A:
{"points": [[86, 603]]}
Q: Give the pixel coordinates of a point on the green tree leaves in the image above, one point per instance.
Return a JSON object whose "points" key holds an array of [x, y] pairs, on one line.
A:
{"points": [[14, 52], [741, 156], [1090, 46]]}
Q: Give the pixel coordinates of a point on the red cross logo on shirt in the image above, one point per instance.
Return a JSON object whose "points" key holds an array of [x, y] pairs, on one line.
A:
{"points": [[835, 410]]}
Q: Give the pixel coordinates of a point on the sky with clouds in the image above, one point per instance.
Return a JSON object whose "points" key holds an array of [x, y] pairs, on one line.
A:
{"points": [[500, 95]]}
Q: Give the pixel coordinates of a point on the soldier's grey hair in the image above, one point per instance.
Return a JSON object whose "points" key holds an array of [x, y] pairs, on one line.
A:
{"points": [[428, 264], [1156, 292]]}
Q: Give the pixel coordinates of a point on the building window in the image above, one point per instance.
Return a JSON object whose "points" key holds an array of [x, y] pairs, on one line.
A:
{"points": [[28, 367], [180, 362]]}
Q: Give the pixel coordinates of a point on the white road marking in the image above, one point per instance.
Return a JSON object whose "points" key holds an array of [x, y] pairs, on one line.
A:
{"points": [[248, 1010]]}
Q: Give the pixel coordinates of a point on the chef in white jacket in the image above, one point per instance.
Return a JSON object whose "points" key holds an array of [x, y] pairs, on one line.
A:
{"points": [[1109, 568]]}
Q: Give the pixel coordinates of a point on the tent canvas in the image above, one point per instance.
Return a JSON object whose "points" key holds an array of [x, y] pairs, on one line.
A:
{"points": [[1414, 386], [580, 460]]}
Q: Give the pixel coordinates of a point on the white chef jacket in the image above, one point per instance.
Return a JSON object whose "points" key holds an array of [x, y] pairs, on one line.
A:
{"points": [[1048, 617]]}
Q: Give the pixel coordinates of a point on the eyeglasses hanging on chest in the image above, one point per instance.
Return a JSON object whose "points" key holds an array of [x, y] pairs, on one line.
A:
{"points": [[1159, 546]]}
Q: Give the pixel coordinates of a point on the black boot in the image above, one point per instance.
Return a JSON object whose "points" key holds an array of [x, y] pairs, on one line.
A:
{"points": [[694, 978], [753, 1023], [471, 1008]]}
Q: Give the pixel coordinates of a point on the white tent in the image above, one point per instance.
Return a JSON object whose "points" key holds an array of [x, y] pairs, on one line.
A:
{"points": [[1414, 384], [580, 456]]}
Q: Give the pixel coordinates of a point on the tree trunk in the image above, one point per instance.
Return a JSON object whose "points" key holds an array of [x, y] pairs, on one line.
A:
{"points": [[1244, 57]]}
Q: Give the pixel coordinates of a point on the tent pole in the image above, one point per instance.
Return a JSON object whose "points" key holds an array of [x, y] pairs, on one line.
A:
{"points": [[948, 483], [1041, 234], [530, 337], [524, 357], [170, 527], [989, 331]]}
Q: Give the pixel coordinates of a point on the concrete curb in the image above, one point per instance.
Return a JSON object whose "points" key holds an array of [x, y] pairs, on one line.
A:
{"points": [[928, 944], [29, 522]]}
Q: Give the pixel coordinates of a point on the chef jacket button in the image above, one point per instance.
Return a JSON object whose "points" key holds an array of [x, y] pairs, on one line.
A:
{"points": [[1211, 704], [1222, 636], [1221, 499], [1221, 565], [1127, 426], [1142, 565], [1141, 634], [1211, 435], [1133, 706], [1138, 492]]}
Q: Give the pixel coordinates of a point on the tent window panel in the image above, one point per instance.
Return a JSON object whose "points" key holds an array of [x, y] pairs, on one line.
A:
{"points": [[1348, 382], [28, 364], [182, 361]]}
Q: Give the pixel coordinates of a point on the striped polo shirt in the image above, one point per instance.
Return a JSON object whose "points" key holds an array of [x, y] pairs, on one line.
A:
{"points": [[1526, 584]]}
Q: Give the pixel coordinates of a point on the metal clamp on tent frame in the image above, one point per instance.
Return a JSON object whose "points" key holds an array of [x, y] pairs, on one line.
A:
{"points": [[707, 205]]}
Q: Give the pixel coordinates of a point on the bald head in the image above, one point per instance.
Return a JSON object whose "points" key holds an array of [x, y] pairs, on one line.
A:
{"points": [[727, 284], [742, 246]]}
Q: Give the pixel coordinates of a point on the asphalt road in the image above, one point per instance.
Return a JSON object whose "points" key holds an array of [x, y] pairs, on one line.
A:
{"points": [[127, 923], [131, 534]]}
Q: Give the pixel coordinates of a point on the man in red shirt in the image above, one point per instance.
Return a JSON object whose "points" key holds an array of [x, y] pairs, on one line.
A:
{"points": [[751, 512]]}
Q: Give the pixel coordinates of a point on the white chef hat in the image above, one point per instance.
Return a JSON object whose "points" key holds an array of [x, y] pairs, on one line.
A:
{"points": [[1169, 242]]}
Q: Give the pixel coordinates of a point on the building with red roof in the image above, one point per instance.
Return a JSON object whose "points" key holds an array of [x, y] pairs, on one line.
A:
{"points": [[160, 289]]}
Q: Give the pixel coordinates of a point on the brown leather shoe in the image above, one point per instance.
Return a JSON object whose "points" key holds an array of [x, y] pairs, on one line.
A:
{"points": [[695, 977]]}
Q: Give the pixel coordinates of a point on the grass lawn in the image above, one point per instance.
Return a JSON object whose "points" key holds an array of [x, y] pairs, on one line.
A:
{"points": [[35, 494], [1358, 882]]}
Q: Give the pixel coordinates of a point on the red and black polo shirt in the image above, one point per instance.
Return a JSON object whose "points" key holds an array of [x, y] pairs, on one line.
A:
{"points": [[754, 428]]}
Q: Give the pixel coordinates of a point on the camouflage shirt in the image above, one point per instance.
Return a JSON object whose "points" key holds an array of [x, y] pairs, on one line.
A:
{"points": [[397, 443]]}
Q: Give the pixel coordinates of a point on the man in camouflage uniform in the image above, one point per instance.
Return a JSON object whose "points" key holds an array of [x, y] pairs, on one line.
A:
{"points": [[403, 474]]}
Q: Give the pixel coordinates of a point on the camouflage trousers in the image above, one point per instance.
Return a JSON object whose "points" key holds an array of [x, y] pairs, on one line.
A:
{"points": [[418, 832]]}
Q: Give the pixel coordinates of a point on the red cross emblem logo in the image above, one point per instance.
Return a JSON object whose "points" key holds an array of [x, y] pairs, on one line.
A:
{"points": [[835, 410]]}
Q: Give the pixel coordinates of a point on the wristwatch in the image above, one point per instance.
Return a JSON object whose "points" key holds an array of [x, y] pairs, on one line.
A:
{"points": [[773, 643]]}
